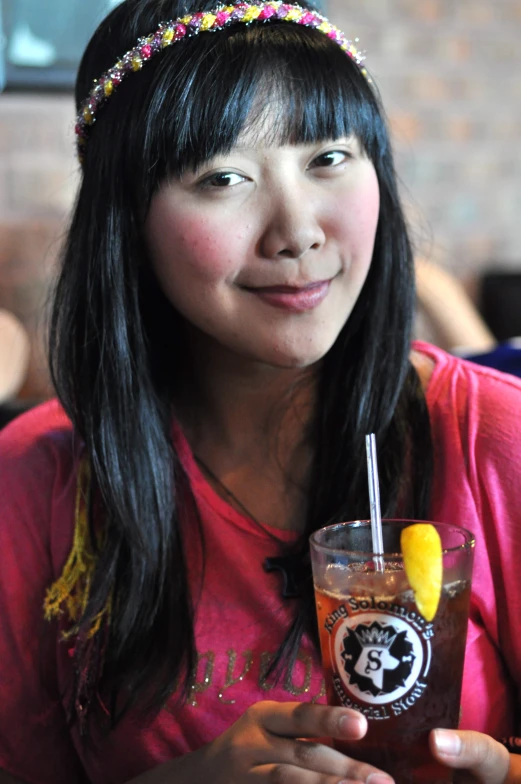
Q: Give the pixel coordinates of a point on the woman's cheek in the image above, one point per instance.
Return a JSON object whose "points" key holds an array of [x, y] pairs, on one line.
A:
{"points": [[365, 210], [359, 233], [208, 252]]}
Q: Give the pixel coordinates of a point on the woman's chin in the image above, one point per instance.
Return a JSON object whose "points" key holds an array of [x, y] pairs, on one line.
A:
{"points": [[276, 351], [286, 360]]}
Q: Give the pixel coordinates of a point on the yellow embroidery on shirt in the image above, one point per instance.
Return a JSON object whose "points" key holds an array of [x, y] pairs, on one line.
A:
{"points": [[265, 661], [322, 692], [229, 679], [70, 592], [289, 683], [198, 687], [210, 677]]}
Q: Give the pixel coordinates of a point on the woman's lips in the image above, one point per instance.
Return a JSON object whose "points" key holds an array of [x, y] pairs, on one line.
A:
{"points": [[293, 299]]}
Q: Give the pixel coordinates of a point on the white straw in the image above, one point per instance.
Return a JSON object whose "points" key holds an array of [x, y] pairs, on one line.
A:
{"points": [[374, 498]]}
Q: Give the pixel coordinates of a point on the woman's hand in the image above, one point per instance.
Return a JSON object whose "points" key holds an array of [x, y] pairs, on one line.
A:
{"points": [[480, 758], [268, 744]]}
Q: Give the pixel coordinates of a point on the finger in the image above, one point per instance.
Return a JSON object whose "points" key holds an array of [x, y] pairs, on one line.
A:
{"points": [[474, 752], [320, 759], [289, 774], [305, 720]]}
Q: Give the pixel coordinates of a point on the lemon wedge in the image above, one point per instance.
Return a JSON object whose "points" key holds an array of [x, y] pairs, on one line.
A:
{"points": [[423, 564]]}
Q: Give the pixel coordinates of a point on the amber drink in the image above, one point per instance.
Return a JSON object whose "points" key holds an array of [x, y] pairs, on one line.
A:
{"points": [[380, 655]]}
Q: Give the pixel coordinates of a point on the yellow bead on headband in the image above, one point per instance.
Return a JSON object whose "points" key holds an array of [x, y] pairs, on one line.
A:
{"points": [[169, 33]]}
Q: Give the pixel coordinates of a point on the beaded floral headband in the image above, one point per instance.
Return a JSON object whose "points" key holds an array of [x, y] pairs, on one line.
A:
{"points": [[169, 33]]}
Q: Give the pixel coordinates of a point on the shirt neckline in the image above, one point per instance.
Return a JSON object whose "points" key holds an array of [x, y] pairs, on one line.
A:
{"points": [[206, 494]]}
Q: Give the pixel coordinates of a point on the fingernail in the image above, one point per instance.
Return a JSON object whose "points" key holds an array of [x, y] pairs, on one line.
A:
{"points": [[447, 742], [354, 725], [379, 778]]}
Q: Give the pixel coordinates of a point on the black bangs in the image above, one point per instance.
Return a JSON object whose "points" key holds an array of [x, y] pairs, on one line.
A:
{"points": [[290, 82]]}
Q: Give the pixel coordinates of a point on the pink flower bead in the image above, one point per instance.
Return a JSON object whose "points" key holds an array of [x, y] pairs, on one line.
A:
{"points": [[221, 18], [180, 32], [146, 52], [308, 19], [266, 13], [116, 78]]}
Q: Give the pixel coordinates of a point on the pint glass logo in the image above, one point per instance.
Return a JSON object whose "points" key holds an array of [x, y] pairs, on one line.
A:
{"points": [[378, 659]]}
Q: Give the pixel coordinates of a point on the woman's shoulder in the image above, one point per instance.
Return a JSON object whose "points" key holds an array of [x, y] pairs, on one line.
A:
{"points": [[474, 404], [38, 458], [44, 427], [446, 377]]}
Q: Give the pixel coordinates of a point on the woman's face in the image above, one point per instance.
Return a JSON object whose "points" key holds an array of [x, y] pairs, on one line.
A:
{"points": [[265, 250]]}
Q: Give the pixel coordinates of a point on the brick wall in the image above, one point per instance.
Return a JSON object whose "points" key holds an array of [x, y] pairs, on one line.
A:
{"points": [[449, 72]]}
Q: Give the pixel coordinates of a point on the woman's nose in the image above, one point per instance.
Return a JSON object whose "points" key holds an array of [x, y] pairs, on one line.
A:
{"points": [[292, 230]]}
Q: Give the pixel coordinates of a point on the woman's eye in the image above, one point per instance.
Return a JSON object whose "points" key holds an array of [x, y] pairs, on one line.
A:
{"points": [[223, 180], [332, 158]]}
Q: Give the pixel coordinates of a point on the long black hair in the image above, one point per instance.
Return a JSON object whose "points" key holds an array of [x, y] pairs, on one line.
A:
{"points": [[109, 346]]}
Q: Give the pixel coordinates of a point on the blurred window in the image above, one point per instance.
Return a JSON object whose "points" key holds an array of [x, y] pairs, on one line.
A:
{"points": [[41, 41]]}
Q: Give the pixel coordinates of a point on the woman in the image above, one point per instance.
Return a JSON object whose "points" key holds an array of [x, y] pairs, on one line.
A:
{"points": [[232, 317]]}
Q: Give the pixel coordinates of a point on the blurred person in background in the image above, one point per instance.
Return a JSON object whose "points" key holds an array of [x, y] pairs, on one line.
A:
{"points": [[456, 322], [14, 356]]}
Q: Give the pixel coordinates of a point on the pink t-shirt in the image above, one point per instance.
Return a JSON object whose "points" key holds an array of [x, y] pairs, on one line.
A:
{"points": [[240, 616]]}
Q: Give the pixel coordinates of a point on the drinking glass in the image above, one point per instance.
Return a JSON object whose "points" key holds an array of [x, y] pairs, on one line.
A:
{"points": [[380, 655]]}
